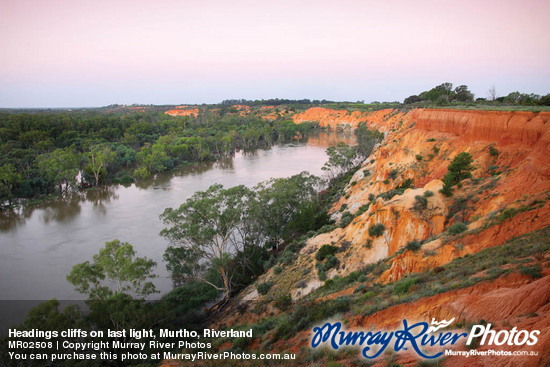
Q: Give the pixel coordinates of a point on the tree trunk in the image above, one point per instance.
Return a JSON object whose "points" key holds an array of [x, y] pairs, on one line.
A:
{"points": [[226, 285]]}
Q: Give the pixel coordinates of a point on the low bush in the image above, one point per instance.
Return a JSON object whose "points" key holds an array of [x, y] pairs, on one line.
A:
{"points": [[533, 271], [330, 262], [377, 230], [284, 302], [420, 202], [263, 288], [413, 245], [325, 251], [457, 228], [402, 287], [346, 219]]}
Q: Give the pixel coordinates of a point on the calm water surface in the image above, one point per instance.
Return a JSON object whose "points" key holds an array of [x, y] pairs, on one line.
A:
{"points": [[40, 243]]}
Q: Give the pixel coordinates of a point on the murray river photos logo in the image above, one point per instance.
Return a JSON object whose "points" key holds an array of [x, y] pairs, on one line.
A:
{"points": [[416, 336]]}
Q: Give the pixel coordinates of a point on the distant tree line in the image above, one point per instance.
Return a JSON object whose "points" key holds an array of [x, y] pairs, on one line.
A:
{"points": [[274, 102], [444, 94]]}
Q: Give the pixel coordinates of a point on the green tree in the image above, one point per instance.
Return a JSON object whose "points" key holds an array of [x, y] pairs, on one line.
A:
{"points": [[341, 158], [460, 168], [441, 93], [60, 167], [204, 232], [98, 158], [277, 207], [9, 180], [114, 270], [462, 94], [366, 140]]}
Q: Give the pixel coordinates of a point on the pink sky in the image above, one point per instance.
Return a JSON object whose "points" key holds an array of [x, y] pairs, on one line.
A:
{"points": [[89, 53]]}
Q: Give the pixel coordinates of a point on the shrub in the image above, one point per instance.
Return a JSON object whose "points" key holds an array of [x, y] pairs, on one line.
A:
{"points": [[430, 140], [407, 184], [402, 286], [413, 245], [506, 214], [362, 209], [241, 343], [306, 315], [533, 271], [330, 262], [419, 157], [457, 228], [277, 270], [326, 228], [492, 170], [371, 197], [263, 288], [420, 202], [346, 219], [493, 152], [377, 230], [436, 149], [286, 258], [325, 251], [428, 193], [284, 302], [392, 175]]}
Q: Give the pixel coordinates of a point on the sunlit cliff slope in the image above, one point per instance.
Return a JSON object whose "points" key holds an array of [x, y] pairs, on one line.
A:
{"points": [[495, 267]]}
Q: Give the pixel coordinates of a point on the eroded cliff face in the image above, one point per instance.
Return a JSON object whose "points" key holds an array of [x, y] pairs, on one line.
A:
{"points": [[419, 146], [508, 196], [383, 120], [183, 111]]}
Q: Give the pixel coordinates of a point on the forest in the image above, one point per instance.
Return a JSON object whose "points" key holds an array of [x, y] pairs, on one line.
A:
{"points": [[59, 152]]}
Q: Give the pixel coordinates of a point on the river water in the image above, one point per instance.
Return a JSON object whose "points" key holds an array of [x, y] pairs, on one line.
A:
{"points": [[40, 243]]}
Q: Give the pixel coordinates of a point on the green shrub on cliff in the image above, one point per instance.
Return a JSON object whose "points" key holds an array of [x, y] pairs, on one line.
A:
{"points": [[377, 230], [460, 168]]}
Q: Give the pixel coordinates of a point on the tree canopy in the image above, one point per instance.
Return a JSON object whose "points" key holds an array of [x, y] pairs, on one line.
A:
{"points": [[114, 270], [459, 169]]}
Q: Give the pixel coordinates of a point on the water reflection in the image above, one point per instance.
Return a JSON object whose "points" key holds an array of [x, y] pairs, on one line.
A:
{"points": [[11, 218], [164, 178], [60, 209], [226, 163], [328, 140], [40, 243], [100, 197]]}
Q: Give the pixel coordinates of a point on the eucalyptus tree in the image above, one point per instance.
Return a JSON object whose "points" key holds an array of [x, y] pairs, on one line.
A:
{"points": [[114, 270], [60, 167], [99, 157], [279, 202], [205, 232]]}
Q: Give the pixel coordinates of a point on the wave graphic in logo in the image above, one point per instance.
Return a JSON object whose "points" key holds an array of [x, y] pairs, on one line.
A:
{"points": [[439, 325]]}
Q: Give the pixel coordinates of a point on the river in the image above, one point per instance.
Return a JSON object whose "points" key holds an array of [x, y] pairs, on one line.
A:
{"points": [[40, 243]]}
